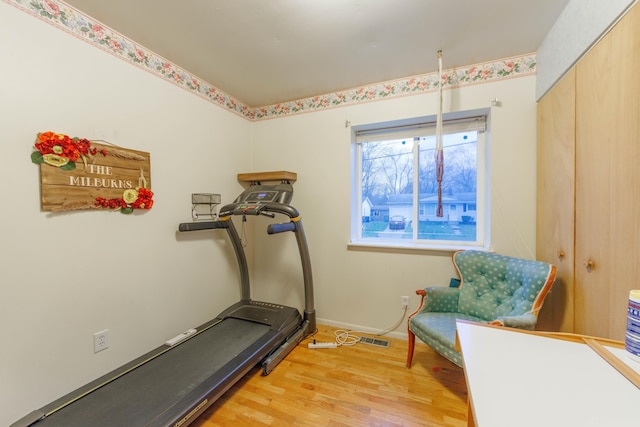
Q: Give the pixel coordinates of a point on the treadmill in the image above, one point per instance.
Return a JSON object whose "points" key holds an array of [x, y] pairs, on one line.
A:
{"points": [[176, 382]]}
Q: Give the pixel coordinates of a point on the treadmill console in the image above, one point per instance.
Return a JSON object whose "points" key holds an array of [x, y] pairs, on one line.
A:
{"points": [[259, 199], [258, 193], [261, 196]]}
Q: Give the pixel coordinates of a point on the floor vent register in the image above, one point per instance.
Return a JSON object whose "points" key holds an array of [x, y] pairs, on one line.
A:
{"points": [[374, 341]]}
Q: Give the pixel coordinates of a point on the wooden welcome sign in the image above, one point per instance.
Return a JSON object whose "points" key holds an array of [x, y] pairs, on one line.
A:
{"points": [[81, 174]]}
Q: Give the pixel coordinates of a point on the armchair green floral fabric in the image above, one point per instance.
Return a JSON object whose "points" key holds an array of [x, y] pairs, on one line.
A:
{"points": [[494, 288]]}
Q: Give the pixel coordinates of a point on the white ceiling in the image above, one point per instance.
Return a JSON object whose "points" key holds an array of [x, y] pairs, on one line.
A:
{"points": [[262, 52]]}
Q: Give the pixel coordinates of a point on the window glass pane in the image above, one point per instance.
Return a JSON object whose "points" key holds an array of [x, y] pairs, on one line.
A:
{"points": [[459, 188], [387, 188]]}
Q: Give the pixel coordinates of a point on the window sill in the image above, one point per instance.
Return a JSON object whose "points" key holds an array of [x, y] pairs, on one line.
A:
{"points": [[392, 246]]}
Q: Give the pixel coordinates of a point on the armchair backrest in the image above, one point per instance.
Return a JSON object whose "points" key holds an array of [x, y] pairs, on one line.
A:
{"points": [[494, 285]]}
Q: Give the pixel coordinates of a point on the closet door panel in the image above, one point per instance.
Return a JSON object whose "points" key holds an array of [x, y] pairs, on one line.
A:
{"points": [[555, 200], [625, 226], [594, 142], [607, 180]]}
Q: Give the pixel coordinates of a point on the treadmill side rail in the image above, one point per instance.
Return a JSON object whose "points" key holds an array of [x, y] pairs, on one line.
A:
{"points": [[29, 419], [269, 364]]}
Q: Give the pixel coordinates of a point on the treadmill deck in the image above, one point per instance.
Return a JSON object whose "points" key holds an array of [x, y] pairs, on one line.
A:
{"points": [[186, 375]]}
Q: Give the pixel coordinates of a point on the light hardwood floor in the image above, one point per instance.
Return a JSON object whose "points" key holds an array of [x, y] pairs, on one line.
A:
{"points": [[359, 385]]}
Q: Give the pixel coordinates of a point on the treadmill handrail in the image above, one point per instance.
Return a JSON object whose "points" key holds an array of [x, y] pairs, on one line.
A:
{"points": [[203, 225], [281, 228]]}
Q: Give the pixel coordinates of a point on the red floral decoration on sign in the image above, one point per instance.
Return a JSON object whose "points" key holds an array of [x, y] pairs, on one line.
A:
{"points": [[142, 198], [62, 151]]}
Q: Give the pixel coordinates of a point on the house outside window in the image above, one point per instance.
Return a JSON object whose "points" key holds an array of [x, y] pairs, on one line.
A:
{"points": [[394, 172]]}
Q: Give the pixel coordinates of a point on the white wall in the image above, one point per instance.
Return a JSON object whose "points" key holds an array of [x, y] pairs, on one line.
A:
{"points": [[65, 276], [360, 288]]}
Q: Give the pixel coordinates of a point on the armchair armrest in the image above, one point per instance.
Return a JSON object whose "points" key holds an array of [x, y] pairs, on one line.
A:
{"points": [[437, 299], [523, 321]]}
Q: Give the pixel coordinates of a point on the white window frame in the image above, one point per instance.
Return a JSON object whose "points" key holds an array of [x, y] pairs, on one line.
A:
{"points": [[406, 129]]}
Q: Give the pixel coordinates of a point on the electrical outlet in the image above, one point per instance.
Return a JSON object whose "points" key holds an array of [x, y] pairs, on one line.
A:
{"points": [[404, 302], [101, 341]]}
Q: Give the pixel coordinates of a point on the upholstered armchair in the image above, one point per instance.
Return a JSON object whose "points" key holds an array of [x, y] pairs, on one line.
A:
{"points": [[494, 288]]}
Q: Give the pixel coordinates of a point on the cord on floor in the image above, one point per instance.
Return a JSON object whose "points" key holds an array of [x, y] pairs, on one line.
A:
{"points": [[347, 337]]}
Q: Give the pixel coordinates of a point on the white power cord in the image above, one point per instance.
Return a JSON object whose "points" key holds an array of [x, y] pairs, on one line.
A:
{"points": [[348, 337]]}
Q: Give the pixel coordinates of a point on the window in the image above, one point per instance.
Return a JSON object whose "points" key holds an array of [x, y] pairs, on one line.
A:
{"points": [[394, 180]]}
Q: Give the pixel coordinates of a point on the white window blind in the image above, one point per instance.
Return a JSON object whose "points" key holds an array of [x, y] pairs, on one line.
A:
{"points": [[418, 129]]}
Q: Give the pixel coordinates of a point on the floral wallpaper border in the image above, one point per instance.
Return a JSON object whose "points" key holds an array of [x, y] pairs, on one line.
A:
{"points": [[69, 19]]}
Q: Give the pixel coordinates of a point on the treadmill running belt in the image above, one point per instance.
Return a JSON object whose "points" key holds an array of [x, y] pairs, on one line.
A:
{"points": [[142, 395]]}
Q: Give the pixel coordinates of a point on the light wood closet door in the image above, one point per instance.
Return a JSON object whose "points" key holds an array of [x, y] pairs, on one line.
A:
{"points": [[608, 180], [555, 200]]}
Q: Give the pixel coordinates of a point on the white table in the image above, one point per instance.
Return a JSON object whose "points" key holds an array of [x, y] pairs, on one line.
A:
{"points": [[525, 379]]}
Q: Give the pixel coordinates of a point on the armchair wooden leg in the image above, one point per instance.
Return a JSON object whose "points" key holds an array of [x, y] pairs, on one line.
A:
{"points": [[471, 421], [410, 347], [411, 335]]}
